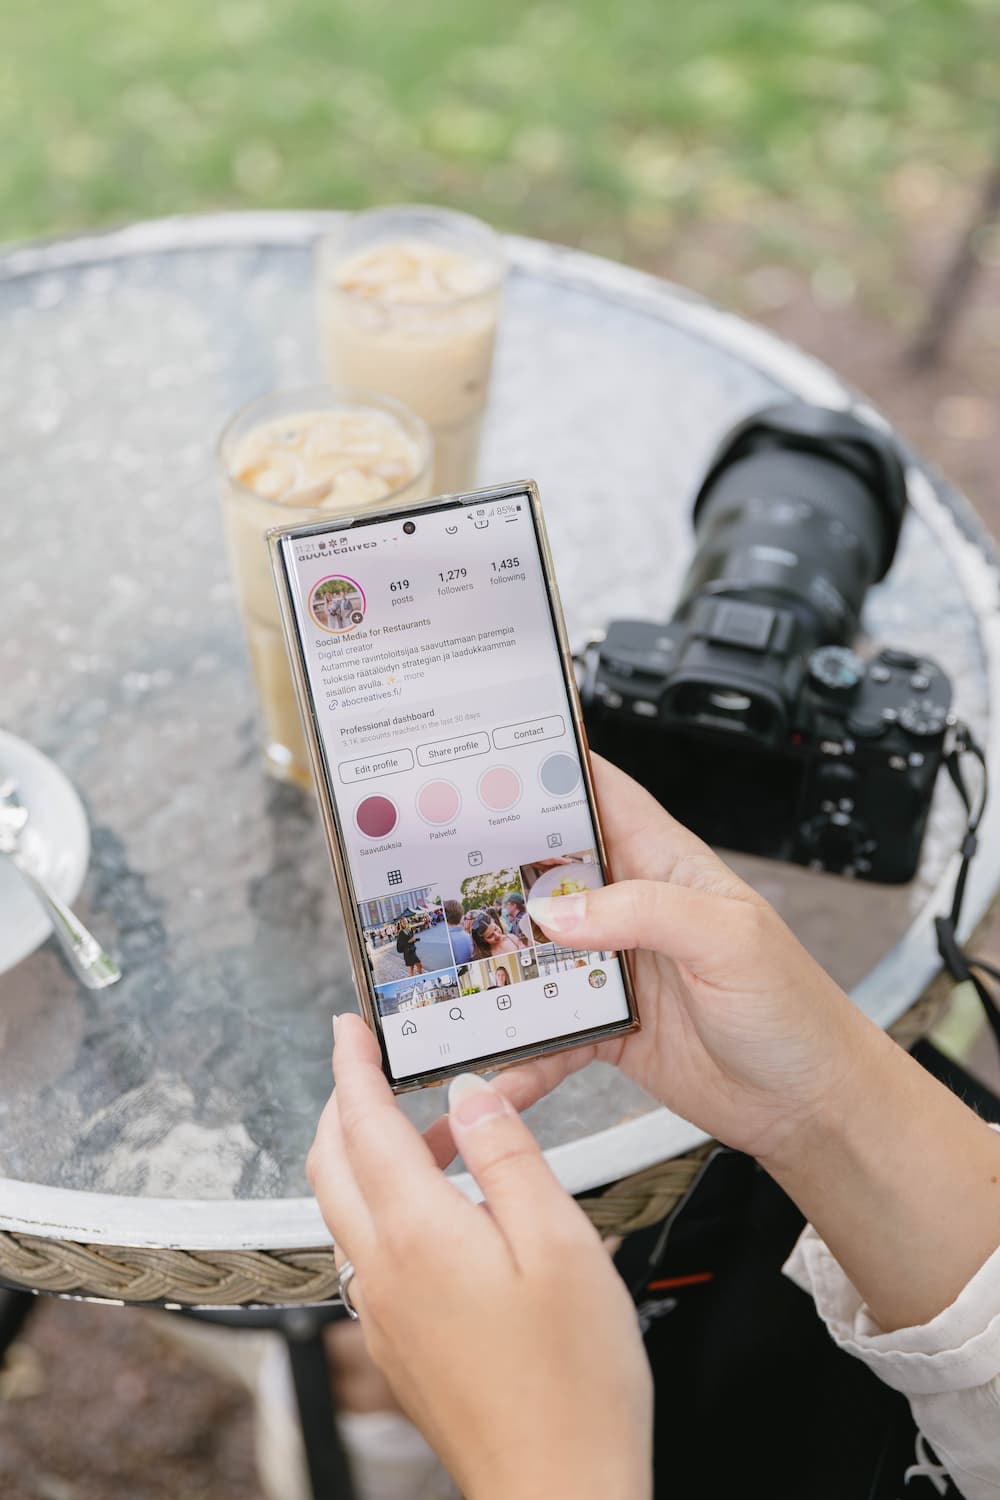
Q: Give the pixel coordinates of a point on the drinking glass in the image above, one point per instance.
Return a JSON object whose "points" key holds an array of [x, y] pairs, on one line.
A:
{"points": [[409, 299], [295, 457]]}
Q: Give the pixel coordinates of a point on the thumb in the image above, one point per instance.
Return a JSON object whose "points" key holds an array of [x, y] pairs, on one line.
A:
{"points": [[505, 1159], [697, 928]]}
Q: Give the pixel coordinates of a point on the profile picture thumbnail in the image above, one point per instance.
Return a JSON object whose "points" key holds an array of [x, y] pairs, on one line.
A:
{"points": [[337, 604]]}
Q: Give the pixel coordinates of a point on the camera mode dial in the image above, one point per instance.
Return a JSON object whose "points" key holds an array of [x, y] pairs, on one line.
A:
{"points": [[836, 669], [923, 718], [839, 841]]}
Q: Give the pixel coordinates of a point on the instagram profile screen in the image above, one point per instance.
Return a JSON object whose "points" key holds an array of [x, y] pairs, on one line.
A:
{"points": [[453, 761]]}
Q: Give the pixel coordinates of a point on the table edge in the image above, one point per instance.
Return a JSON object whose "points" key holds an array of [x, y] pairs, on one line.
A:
{"points": [[594, 1160]]}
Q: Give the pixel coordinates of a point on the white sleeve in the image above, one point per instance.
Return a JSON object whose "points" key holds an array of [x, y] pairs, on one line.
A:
{"points": [[948, 1369]]}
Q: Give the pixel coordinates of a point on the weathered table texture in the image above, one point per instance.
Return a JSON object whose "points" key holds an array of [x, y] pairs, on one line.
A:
{"points": [[174, 1110]]}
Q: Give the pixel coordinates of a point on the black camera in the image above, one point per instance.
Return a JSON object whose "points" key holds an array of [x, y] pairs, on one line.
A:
{"points": [[749, 715]]}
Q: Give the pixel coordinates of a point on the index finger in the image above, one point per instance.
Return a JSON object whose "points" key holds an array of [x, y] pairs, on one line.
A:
{"points": [[523, 1084], [391, 1163], [522, 1193], [642, 837]]}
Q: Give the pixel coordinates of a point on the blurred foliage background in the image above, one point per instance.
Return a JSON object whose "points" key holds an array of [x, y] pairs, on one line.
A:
{"points": [[809, 135]]}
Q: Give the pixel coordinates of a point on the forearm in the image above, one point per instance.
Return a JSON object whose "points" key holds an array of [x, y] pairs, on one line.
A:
{"points": [[900, 1179], [568, 1483]]}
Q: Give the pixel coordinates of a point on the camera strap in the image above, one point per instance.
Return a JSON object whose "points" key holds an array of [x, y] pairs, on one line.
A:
{"points": [[962, 968]]}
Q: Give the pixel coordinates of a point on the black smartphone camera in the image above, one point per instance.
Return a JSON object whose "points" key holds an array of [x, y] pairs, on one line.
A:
{"points": [[749, 715]]}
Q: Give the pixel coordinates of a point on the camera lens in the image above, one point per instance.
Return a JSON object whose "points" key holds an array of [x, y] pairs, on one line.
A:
{"points": [[409, 527], [799, 524]]}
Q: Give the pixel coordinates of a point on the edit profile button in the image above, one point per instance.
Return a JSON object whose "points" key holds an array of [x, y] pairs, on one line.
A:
{"points": [[364, 767]]}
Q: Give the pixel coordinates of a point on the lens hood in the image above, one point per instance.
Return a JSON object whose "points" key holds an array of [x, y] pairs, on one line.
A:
{"points": [[869, 453]]}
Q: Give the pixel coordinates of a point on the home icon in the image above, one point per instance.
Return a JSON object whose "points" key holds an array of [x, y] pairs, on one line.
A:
{"points": [[408, 1029]]}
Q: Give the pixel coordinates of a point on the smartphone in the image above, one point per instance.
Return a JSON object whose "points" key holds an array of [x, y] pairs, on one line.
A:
{"points": [[437, 692]]}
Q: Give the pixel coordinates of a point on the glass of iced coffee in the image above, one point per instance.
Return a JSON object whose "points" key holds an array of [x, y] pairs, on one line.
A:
{"points": [[295, 457], [409, 300]]}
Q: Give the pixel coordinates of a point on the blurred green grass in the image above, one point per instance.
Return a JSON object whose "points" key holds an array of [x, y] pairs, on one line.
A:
{"points": [[607, 125]]}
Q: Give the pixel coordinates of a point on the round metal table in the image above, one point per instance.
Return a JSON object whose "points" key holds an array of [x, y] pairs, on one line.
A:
{"points": [[174, 1110]]}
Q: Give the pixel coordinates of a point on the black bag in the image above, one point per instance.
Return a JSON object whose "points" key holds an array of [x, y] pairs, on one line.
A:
{"points": [[406, 947], [752, 1394]]}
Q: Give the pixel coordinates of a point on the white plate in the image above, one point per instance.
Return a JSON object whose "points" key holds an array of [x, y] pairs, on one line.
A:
{"points": [[588, 876], [56, 840]]}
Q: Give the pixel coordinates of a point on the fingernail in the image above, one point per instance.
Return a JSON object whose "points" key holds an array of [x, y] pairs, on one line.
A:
{"points": [[558, 913], [471, 1100], [333, 1023]]}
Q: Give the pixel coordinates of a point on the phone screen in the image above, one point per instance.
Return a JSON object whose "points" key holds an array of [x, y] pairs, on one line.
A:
{"points": [[441, 708]]}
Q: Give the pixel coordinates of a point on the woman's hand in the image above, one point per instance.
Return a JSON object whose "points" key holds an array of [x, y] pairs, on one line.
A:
{"points": [[504, 1329], [745, 1035], [742, 1032]]}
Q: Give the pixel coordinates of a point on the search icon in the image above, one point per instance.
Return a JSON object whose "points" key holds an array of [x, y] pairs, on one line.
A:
{"points": [[456, 1014]]}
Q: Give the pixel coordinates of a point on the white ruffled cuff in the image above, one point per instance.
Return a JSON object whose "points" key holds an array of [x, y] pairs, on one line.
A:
{"points": [[957, 1349]]}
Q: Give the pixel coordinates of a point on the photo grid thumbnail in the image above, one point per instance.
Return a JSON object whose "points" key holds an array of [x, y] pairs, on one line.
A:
{"points": [[427, 946], [490, 910], [498, 973], [409, 994], [560, 875], [553, 960]]}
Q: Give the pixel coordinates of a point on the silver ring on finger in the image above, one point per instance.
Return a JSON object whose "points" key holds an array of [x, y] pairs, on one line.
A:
{"points": [[344, 1278]]}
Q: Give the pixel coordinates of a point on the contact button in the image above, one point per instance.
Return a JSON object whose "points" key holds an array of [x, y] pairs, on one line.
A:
{"points": [[509, 735], [367, 766], [442, 752]]}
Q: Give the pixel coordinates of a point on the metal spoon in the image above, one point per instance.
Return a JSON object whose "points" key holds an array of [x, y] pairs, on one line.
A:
{"points": [[83, 952]]}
